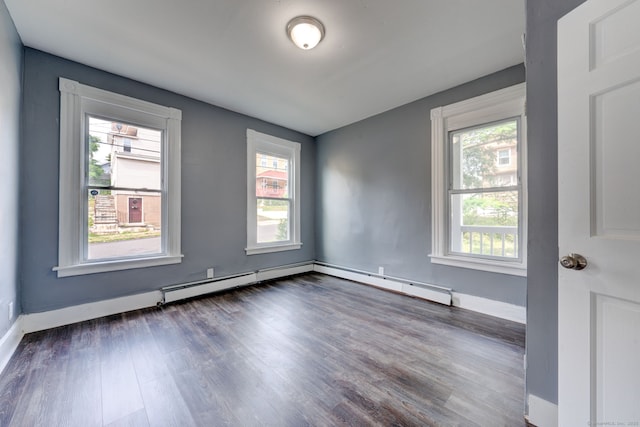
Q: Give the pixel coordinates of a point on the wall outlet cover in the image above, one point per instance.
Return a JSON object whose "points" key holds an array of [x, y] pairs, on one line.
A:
{"points": [[210, 273]]}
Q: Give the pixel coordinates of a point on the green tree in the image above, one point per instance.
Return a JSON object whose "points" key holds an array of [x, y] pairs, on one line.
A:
{"points": [[96, 173], [478, 163], [283, 230], [479, 152]]}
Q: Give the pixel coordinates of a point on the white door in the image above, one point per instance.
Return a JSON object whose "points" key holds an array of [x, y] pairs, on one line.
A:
{"points": [[599, 213]]}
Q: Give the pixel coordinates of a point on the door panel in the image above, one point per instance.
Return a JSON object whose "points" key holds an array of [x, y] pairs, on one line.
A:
{"points": [[616, 173], [616, 34], [599, 213], [618, 390]]}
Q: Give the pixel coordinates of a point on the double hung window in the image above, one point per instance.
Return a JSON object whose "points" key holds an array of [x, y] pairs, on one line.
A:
{"points": [[119, 192], [273, 194], [479, 191]]}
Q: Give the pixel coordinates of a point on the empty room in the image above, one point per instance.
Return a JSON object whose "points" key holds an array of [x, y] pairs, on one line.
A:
{"points": [[289, 213]]}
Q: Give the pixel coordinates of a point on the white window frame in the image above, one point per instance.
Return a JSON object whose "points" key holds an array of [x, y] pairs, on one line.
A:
{"points": [[492, 107], [77, 101], [258, 142]]}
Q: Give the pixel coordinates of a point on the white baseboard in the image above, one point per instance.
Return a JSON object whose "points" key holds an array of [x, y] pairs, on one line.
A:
{"points": [[9, 342], [500, 309], [541, 412], [78, 313], [390, 284], [494, 308], [33, 322]]}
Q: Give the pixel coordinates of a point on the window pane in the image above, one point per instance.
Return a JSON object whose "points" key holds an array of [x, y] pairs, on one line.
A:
{"points": [[485, 224], [272, 178], [123, 223], [485, 157], [273, 221], [123, 155]]}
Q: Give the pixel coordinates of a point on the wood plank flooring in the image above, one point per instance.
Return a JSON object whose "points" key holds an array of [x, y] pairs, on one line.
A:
{"points": [[307, 350]]}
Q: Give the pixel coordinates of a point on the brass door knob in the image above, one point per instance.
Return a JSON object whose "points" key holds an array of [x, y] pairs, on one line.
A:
{"points": [[573, 262]]}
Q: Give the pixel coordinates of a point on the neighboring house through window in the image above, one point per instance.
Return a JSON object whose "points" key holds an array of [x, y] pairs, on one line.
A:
{"points": [[273, 194], [120, 162], [479, 183]]}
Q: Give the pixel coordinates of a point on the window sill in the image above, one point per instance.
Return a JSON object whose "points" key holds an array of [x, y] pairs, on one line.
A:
{"points": [[115, 265], [512, 268], [272, 248]]}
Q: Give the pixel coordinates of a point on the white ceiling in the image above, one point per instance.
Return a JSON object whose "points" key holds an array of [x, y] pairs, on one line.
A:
{"points": [[376, 55]]}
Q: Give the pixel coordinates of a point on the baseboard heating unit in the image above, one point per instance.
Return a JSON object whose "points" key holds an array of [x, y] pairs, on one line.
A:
{"points": [[203, 287], [426, 291]]}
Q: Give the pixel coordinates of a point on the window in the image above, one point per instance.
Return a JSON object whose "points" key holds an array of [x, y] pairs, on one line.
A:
{"points": [[504, 157], [127, 145], [479, 184], [273, 194], [120, 164]]}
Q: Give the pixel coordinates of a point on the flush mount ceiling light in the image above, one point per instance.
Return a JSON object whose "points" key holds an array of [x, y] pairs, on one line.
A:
{"points": [[305, 31]]}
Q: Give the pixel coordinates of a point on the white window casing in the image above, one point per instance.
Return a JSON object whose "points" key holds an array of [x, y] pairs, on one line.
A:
{"points": [[492, 107], [77, 101], [258, 142]]}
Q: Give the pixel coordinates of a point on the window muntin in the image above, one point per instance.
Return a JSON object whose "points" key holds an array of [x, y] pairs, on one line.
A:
{"points": [[273, 194], [97, 161], [471, 189]]}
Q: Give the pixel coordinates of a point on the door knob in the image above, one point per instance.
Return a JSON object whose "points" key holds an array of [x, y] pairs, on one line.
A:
{"points": [[573, 261]]}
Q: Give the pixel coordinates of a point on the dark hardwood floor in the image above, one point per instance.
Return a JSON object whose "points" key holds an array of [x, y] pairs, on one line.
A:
{"points": [[308, 350]]}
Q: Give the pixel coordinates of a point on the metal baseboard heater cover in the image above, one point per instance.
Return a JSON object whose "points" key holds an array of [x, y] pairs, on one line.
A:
{"points": [[192, 289], [426, 291], [203, 287]]}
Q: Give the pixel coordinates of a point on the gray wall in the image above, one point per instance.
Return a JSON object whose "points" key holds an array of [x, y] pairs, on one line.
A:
{"points": [[214, 182], [10, 85], [374, 196], [542, 289]]}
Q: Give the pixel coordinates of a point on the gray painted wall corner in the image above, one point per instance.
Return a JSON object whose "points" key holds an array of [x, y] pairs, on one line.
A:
{"points": [[214, 199], [11, 62], [542, 289], [374, 196]]}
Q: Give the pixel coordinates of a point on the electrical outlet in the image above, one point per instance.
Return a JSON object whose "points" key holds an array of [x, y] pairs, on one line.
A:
{"points": [[210, 273], [11, 311], [381, 271]]}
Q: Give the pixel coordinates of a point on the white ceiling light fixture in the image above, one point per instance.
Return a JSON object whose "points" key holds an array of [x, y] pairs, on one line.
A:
{"points": [[305, 31]]}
